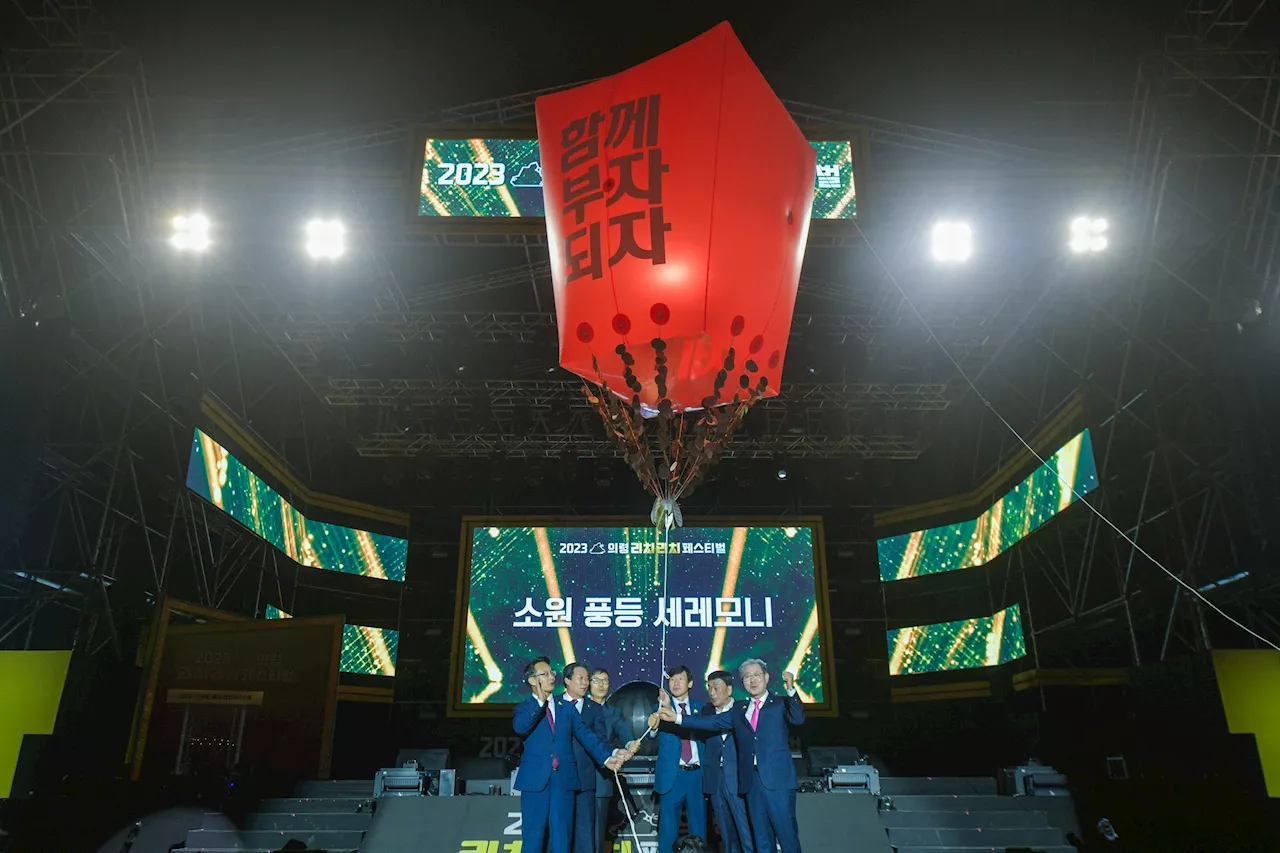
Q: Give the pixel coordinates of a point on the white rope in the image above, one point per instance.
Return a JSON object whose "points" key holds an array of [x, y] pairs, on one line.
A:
{"points": [[622, 795], [666, 573], [663, 538], [1078, 497]]}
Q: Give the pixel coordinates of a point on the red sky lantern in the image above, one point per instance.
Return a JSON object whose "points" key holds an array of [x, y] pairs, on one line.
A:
{"points": [[678, 196]]}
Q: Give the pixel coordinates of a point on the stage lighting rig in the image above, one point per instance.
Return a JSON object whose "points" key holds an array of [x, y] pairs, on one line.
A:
{"points": [[951, 242], [1088, 235], [190, 233], [326, 239]]}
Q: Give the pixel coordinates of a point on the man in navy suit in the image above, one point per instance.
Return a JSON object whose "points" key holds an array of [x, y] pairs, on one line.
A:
{"points": [[550, 728], [677, 776], [612, 730], [576, 683], [720, 771], [765, 772]]}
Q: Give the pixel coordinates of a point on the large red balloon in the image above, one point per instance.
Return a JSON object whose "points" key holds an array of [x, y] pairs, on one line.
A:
{"points": [[678, 196]]}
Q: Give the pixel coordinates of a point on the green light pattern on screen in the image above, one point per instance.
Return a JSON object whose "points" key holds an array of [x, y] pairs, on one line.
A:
{"points": [[225, 481], [365, 650], [502, 178], [964, 644], [511, 567], [1049, 490], [834, 194]]}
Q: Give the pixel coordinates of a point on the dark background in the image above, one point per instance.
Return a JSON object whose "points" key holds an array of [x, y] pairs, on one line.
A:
{"points": [[266, 112]]}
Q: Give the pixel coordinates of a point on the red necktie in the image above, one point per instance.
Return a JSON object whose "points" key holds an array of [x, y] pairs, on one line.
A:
{"points": [[686, 746], [551, 721]]}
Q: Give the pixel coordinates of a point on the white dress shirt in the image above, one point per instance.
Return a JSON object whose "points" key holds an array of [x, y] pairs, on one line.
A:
{"points": [[725, 735], [544, 702], [697, 745], [577, 703]]}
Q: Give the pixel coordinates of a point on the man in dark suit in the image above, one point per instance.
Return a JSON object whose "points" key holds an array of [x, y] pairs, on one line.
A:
{"points": [[576, 684], [720, 771], [677, 778], [550, 728], [612, 730], [759, 725]]}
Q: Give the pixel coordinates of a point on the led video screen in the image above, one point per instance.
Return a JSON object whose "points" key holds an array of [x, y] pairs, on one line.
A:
{"points": [[365, 650], [1049, 490], [964, 644], [225, 481], [603, 595], [485, 178]]}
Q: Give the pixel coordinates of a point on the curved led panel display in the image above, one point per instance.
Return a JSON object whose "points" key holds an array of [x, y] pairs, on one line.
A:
{"points": [[1067, 474]]}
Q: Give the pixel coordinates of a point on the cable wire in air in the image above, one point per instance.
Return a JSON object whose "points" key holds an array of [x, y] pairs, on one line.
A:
{"points": [[1101, 516]]}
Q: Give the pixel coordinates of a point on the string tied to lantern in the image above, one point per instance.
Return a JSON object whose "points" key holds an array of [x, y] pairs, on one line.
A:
{"points": [[671, 450]]}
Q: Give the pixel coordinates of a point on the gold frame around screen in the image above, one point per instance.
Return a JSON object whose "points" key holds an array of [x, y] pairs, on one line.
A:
{"points": [[858, 136], [829, 707]]}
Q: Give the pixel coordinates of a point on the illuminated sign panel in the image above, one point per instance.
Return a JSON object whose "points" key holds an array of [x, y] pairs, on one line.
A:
{"points": [[365, 650], [502, 178], [963, 644], [610, 594], [1051, 488], [223, 480]]}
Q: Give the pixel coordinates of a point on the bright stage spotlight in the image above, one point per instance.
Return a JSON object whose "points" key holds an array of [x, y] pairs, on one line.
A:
{"points": [[1088, 235], [951, 242], [326, 239], [190, 233]]}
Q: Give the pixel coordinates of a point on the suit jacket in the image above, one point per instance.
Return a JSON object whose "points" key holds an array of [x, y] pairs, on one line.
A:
{"points": [[529, 720], [668, 764], [592, 714], [611, 730], [720, 757], [764, 748]]}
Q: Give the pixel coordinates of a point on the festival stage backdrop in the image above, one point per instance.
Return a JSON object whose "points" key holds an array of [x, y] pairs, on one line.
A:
{"points": [[964, 644], [365, 650], [225, 481], [503, 178], [596, 594], [1049, 490]]}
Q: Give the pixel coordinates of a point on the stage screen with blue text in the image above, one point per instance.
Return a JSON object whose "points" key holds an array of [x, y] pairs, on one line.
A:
{"points": [[606, 594]]}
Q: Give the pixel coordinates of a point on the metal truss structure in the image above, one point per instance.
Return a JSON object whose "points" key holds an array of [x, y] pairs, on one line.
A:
{"points": [[1156, 348], [115, 357], [519, 110]]}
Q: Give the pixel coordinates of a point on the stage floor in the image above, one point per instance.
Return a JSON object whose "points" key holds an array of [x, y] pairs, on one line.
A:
{"points": [[487, 824]]}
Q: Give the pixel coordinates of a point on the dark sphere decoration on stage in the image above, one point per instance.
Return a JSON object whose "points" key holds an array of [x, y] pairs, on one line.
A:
{"points": [[637, 700], [663, 227]]}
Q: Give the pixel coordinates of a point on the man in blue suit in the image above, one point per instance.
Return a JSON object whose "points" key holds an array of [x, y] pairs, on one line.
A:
{"points": [[576, 683], [548, 776], [677, 776], [720, 773], [766, 775], [612, 730]]}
